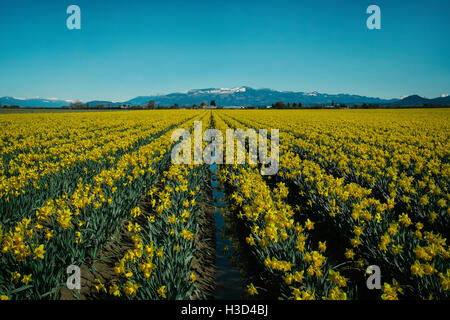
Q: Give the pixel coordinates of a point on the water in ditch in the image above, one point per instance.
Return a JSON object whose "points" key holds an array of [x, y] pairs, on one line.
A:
{"points": [[228, 278]]}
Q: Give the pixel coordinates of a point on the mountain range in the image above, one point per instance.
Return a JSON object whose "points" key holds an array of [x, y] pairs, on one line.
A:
{"points": [[34, 102], [239, 96]]}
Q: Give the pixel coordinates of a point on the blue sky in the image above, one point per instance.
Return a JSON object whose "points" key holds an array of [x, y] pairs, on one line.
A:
{"points": [[130, 48]]}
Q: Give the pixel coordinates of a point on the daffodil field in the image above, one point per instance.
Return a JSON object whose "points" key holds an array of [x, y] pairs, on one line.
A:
{"points": [[355, 188]]}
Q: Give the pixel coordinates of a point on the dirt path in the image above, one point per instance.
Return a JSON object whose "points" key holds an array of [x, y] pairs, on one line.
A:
{"points": [[103, 269]]}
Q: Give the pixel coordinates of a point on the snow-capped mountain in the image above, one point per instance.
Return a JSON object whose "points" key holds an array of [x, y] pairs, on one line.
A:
{"points": [[241, 96], [217, 91]]}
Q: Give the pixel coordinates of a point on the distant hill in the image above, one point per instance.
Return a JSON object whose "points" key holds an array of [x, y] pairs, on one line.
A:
{"points": [[239, 96], [416, 100], [95, 103]]}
